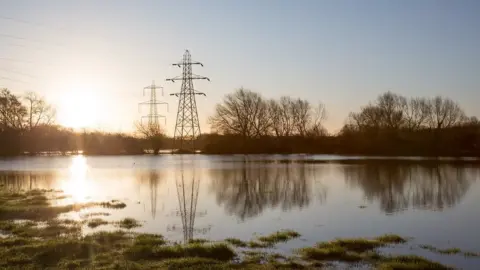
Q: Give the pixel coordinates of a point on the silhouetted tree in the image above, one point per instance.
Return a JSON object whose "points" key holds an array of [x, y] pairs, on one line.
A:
{"points": [[38, 111], [153, 134], [445, 113], [12, 112], [242, 113]]}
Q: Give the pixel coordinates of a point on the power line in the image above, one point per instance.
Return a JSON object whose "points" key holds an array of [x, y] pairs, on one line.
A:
{"points": [[29, 40], [18, 72], [22, 61], [12, 80], [32, 23]]}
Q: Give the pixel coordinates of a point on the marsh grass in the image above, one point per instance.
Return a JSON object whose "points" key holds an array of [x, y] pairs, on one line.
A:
{"points": [[198, 241], [96, 214], [236, 242], [129, 223], [280, 236], [94, 223], [218, 251], [449, 251], [113, 204], [409, 262], [51, 228], [37, 239]]}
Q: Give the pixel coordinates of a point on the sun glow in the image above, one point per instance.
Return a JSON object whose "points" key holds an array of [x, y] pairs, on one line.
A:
{"points": [[79, 108], [78, 185]]}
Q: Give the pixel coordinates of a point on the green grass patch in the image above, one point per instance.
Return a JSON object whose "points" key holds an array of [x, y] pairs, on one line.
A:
{"points": [[113, 204], [449, 251], [220, 251], [97, 214], [409, 262], [236, 242], [280, 236], [198, 241], [94, 223], [49, 229], [129, 223]]}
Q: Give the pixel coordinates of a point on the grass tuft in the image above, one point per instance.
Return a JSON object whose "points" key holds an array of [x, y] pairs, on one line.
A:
{"points": [[129, 223], [220, 252], [94, 223], [236, 242], [409, 262], [198, 241], [277, 237], [113, 204]]}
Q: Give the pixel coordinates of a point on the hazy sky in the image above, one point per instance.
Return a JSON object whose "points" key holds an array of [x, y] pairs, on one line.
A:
{"points": [[92, 58]]}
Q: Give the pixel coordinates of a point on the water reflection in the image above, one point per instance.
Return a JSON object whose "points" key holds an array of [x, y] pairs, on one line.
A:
{"points": [[78, 185], [187, 187], [246, 191], [15, 180], [398, 187], [152, 179]]}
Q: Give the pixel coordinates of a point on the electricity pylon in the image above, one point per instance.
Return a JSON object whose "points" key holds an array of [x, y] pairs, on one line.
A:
{"points": [[187, 126], [153, 116]]}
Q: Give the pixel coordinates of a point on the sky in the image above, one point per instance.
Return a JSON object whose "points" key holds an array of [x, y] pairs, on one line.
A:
{"points": [[92, 59]]}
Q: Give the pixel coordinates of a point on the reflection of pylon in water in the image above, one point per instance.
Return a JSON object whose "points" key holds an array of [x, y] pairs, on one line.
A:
{"points": [[153, 179], [187, 193]]}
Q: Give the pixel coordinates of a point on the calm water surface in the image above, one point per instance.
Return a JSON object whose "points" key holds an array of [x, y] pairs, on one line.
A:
{"points": [[215, 197]]}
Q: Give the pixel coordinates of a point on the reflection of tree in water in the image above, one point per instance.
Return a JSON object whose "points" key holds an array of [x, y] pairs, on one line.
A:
{"points": [[400, 186], [247, 191], [16, 180], [187, 193]]}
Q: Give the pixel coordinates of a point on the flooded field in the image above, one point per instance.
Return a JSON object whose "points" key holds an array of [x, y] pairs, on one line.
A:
{"points": [[435, 204]]}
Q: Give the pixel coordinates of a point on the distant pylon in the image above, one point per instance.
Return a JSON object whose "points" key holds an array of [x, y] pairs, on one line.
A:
{"points": [[187, 126], [153, 116]]}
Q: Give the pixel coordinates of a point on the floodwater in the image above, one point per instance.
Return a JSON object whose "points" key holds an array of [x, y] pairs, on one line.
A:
{"points": [[215, 197]]}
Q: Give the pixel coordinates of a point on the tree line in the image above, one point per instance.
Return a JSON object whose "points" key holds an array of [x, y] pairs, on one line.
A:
{"points": [[27, 126], [246, 122]]}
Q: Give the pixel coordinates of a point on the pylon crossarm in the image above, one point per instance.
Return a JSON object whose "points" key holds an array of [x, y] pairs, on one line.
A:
{"points": [[188, 63]]}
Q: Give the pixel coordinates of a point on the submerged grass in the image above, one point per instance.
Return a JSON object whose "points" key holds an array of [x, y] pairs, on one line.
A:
{"points": [[218, 251], [449, 251], [113, 204], [41, 241], [94, 223], [236, 242], [129, 223], [280, 236], [409, 262]]}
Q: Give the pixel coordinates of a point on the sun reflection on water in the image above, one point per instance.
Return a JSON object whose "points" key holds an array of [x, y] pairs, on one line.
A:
{"points": [[78, 185]]}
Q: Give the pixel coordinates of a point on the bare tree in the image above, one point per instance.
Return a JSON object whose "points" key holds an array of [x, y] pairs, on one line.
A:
{"points": [[243, 113], [301, 116], [287, 119], [38, 111], [275, 112], [316, 127], [12, 112], [153, 134], [445, 113], [369, 117], [391, 108], [417, 113]]}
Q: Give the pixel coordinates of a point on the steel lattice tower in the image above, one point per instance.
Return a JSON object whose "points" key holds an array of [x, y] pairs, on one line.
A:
{"points": [[187, 126], [153, 116]]}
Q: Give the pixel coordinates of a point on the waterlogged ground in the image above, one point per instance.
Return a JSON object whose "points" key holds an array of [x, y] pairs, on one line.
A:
{"points": [[236, 200]]}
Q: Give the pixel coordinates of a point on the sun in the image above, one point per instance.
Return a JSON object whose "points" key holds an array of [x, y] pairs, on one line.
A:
{"points": [[78, 108]]}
